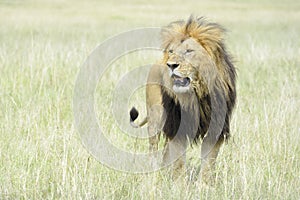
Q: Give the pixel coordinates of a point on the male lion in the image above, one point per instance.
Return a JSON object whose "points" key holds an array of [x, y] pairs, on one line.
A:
{"points": [[195, 88]]}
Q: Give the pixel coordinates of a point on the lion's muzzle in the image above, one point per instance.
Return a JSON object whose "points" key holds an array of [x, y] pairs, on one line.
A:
{"points": [[181, 82]]}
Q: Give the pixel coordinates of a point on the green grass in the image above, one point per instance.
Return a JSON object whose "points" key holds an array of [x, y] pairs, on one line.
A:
{"points": [[42, 47]]}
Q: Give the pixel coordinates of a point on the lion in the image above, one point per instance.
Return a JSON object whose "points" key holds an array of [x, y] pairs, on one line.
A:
{"points": [[190, 95]]}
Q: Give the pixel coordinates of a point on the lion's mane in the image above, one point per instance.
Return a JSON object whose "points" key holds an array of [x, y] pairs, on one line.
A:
{"points": [[215, 88]]}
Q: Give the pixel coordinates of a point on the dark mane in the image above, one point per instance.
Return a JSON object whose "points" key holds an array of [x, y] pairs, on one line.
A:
{"points": [[210, 36]]}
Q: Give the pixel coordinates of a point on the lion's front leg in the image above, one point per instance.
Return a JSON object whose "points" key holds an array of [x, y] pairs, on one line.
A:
{"points": [[174, 155], [209, 153]]}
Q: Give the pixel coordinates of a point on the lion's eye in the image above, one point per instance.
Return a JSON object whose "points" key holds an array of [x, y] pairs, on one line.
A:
{"points": [[189, 50], [170, 51]]}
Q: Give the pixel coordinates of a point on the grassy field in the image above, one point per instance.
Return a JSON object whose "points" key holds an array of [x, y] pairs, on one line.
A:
{"points": [[42, 47]]}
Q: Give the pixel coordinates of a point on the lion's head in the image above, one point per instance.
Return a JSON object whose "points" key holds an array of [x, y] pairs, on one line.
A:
{"points": [[196, 58]]}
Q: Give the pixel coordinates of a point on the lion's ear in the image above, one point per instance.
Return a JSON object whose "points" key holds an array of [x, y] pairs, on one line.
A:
{"points": [[209, 35], [174, 30]]}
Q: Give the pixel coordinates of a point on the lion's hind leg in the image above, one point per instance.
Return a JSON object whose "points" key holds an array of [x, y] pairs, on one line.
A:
{"points": [[156, 119]]}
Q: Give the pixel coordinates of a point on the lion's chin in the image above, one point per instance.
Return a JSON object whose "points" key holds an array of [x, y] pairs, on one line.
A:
{"points": [[181, 89]]}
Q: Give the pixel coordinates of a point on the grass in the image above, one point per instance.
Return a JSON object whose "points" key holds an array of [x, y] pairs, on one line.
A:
{"points": [[43, 45]]}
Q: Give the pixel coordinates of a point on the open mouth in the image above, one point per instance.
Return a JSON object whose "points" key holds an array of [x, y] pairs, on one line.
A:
{"points": [[181, 82]]}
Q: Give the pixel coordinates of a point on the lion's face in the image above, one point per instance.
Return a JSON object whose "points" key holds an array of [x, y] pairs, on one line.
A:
{"points": [[186, 59]]}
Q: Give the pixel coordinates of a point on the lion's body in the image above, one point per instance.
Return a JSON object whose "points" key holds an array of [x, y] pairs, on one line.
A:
{"points": [[191, 94]]}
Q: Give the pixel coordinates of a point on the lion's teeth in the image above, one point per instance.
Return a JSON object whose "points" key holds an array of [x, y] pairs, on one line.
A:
{"points": [[181, 81]]}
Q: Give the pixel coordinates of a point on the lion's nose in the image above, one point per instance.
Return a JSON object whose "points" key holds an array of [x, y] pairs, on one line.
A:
{"points": [[172, 65]]}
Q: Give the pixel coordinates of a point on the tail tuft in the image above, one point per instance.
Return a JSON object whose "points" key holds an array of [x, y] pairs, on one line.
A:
{"points": [[133, 114]]}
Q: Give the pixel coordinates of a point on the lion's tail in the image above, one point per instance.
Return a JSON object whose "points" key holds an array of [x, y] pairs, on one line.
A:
{"points": [[134, 113]]}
